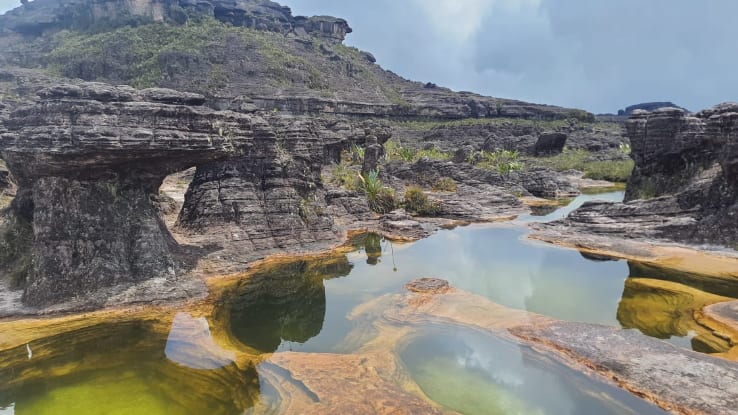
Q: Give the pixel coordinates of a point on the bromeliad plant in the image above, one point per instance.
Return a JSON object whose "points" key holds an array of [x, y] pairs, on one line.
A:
{"points": [[381, 198]]}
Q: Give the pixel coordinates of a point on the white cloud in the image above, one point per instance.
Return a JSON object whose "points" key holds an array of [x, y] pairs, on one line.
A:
{"points": [[459, 19]]}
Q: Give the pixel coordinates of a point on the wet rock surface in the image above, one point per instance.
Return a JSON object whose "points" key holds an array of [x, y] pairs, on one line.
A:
{"points": [[678, 380]]}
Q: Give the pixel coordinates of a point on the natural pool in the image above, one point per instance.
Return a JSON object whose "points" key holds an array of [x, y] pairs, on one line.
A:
{"points": [[172, 364]]}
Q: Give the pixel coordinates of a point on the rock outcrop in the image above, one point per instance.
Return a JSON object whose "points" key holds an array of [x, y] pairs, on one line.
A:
{"points": [[88, 160], [272, 196], [43, 16], [684, 186]]}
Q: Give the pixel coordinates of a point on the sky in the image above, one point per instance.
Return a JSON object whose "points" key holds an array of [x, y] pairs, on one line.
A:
{"points": [[591, 54]]}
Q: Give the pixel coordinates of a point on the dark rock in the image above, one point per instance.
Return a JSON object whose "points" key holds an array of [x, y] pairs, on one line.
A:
{"points": [[683, 186], [89, 166], [550, 144]]}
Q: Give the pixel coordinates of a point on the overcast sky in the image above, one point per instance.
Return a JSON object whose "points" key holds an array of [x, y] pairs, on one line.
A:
{"points": [[591, 54]]}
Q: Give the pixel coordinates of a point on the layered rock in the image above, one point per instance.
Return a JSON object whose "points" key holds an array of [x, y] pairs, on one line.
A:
{"points": [[272, 196], [684, 183], [43, 16], [88, 160]]}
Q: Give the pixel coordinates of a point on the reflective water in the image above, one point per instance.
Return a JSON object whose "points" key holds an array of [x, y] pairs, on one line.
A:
{"points": [[174, 365], [473, 373]]}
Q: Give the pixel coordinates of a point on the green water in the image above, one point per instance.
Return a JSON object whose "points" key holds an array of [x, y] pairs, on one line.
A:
{"points": [[474, 373], [303, 306]]}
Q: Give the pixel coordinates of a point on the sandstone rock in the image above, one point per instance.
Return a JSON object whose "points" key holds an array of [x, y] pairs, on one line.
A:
{"points": [[89, 160], [683, 186]]}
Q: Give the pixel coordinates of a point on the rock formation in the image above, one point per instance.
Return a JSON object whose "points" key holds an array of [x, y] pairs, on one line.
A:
{"points": [[684, 186], [88, 160], [43, 16], [272, 196]]}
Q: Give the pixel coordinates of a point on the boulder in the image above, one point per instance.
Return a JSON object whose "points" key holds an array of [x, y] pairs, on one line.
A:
{"points": [[550, 144]]}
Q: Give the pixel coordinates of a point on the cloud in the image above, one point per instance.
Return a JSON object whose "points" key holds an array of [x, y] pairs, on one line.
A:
{"points": [[6, 5], [597, 55]]}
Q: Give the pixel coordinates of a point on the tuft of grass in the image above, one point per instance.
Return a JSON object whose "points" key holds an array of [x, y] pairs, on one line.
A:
{"points": [[417, 201], [342, 176], [503, 161], [445, 184], [395, 151]]}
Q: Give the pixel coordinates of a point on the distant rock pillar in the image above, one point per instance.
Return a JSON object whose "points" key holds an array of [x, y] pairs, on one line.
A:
{"points": [[372, 153]]}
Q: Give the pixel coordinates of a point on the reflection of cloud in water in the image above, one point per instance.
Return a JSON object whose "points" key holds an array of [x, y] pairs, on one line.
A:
{"points": [[191, 345]]}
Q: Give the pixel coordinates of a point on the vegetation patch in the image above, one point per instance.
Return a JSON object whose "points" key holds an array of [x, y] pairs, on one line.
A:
{"points": [[417, 201], [16, 236], [502, 161], [445, 184], [610, 170]]}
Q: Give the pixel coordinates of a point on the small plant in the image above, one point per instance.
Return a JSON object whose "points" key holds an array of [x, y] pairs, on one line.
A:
{"points": [[445, 184], [283, 155], [417, 201], [381, 199], [371, 183], [304, 210], [357, 154], [625, 148]]}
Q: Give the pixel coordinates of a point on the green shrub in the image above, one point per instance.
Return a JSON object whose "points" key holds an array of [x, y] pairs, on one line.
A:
{"points": [[445, 184], [417, 201]]}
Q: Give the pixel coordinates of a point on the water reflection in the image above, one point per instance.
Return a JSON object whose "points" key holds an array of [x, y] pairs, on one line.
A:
{"points": [[371, 244], [190, 344], [473, 373], [117, 368], [663, 303], [282, 303]]}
